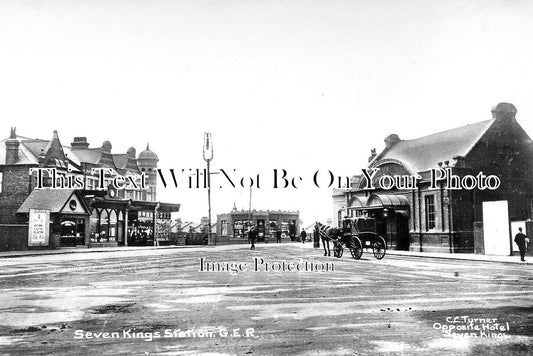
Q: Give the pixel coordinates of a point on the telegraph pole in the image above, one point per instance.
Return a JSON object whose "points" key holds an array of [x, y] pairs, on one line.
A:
{"points": [[208, 156]]}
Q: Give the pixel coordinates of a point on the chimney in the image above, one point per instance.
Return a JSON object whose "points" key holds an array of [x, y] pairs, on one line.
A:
{"points": [[372, 155], [12, 148], [391, 140], [132, 153], [80, 143], [504, 111], [106, 147]]}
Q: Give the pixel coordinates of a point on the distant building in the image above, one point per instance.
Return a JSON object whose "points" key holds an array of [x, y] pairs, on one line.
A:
{"points": [[233, 227], [440, 219], [81, 211]]}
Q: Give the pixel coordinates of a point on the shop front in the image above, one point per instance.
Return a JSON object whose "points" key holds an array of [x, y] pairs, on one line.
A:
{"points": [[392, 217], [123, 222], [233, 227], [68, 216]]}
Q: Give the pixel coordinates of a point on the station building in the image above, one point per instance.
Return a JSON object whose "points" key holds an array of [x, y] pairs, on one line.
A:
{"points": [[440, 219], [60, 182], [232, 227]]}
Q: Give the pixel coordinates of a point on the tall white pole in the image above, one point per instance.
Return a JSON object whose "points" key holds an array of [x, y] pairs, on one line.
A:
{"points": [[208, 156]]}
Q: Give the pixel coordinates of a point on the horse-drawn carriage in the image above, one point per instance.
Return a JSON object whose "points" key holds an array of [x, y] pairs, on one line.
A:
{"points": [[355, 234]]}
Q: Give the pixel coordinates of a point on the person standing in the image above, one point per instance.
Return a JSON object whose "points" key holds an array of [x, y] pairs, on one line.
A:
{"points": [[303, 235], [278, 236], [252, 236], [520, 240]]}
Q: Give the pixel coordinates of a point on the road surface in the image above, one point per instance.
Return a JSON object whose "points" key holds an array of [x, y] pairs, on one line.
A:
{"points": [[284, 299]]}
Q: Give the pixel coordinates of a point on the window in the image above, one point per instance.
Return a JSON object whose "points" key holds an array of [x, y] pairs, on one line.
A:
{"points": [[224, 228], [430, 212], [112, 225], [238, 228], [1, 179]]}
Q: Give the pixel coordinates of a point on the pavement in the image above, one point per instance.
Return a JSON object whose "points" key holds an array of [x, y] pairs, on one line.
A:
{"points": [[450, 256]]}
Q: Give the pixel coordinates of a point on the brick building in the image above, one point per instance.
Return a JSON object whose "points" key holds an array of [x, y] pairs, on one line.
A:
{"points": [[93, 196], [232, 227], [441, 219]]}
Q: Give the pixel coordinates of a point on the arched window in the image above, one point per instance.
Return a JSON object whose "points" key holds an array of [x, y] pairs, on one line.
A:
{"points": [[112, 225], [94, 224], [104, 226]]}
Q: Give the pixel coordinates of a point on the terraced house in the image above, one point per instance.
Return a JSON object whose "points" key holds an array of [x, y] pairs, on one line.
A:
{"points": [[52, 195]]}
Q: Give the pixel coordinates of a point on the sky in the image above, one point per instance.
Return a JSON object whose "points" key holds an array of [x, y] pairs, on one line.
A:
{"points": [[300, 86]]}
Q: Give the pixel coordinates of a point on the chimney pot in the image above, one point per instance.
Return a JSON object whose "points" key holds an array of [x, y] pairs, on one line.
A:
{"points": [[372, 154], [12, 148], [79, 143]]}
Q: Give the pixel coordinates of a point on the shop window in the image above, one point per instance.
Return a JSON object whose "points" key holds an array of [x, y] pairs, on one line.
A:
{"points": [[238, 229], [72, 231], [284, 228], [430, 212], [68, 229], [224, 228], [104, 227], [112, 226], [94, 225]]}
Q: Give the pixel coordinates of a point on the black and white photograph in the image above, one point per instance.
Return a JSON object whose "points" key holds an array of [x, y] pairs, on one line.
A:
{"points": [[266, 177]]}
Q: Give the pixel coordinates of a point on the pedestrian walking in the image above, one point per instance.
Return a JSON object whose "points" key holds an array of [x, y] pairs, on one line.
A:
{"points": [[521, 240], [252, 236], [303, 235], [278, 236]]}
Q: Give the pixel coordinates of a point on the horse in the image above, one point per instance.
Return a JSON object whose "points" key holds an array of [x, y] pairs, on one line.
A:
{"points": [[327, 234]]}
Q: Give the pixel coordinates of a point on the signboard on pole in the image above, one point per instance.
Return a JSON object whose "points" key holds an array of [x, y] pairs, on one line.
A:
{"points": [[39, 229], [208, 147]]}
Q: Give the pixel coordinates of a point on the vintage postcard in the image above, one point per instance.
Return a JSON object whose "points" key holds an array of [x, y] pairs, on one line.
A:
{"points": [[277, 177]]}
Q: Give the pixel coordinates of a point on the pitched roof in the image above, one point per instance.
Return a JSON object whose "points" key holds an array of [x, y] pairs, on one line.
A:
{"points": [[425, 152], [48, 199], [120, 160], [36, 146], [89, 155], [25, 154]]}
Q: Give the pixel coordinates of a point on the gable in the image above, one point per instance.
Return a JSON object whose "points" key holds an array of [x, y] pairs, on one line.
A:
{"points": [[74, 205], [424, 153]]}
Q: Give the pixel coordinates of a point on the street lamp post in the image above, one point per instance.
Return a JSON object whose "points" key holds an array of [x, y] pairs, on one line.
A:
{"points": [[208, 156]]}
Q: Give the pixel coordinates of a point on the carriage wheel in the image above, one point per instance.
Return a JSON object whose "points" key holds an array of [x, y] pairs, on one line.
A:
{"points": [[356, 247], [338, 250], [379, 247]]}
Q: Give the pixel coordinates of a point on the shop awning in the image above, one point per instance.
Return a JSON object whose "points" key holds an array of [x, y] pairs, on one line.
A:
{"points": [[55, 200], [358, 202], [387, 201], [100, 202]]}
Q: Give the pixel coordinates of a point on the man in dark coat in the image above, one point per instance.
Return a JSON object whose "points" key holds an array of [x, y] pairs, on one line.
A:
{"points": [[520, 240], [303, 235], [252, 236], [278, 236]]}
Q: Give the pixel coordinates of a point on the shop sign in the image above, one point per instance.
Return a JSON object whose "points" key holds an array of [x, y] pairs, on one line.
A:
{"points": [[162, 229], [39, 227]]}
